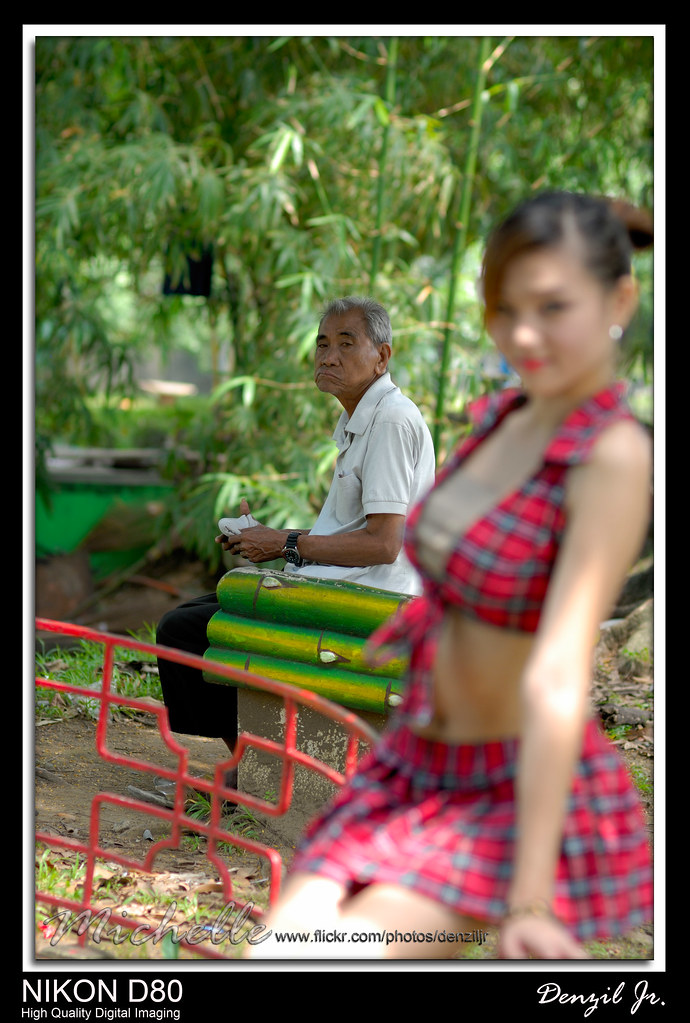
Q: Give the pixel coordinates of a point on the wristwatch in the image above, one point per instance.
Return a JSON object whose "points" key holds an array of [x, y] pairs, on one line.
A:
{"points": [[290, 552]]}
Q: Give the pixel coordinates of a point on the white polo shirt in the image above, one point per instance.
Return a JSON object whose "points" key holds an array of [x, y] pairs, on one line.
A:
{"points": [[385, 464]]}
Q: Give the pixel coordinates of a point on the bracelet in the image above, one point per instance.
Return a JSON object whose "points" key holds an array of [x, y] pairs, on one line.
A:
{"points": [[537, 907]]}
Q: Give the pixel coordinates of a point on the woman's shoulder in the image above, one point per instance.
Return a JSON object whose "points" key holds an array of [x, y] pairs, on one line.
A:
{"points": [[619, 462], [581, 432], [625, 444]]}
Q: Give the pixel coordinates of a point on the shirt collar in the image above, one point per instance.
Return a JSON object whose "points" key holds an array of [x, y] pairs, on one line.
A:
{"points": [[361, 417]]}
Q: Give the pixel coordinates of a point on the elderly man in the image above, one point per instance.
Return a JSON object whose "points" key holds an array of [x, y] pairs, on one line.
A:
{"points": [[384, 465]]}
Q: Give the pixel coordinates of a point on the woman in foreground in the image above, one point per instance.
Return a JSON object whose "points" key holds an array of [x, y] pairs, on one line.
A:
{"points": [[492, 799]]}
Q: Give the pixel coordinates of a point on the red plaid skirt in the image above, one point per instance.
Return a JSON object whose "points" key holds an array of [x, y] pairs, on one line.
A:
{"points": [[440, 819]]}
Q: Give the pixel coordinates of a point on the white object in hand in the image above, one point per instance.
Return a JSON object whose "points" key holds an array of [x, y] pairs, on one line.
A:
{"points": [[231, 527]]}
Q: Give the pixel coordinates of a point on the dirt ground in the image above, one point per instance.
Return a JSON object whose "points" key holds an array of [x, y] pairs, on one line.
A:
{"points": [[69, 772]]}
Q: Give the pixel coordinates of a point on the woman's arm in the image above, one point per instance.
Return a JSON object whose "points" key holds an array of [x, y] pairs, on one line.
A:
{"points": [[608, 504]]}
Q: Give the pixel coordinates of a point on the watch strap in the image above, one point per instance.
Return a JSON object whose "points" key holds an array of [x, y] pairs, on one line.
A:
{"points": [[291, 545]]}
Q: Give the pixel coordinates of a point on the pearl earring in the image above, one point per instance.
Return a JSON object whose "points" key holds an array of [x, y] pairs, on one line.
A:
{"points": [[615, 332]]}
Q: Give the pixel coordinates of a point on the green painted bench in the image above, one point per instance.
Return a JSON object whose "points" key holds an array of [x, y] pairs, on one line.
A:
{"points": [[305, 632]]}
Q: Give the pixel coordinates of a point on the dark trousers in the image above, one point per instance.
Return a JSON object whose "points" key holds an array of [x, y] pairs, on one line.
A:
{"points": [[195, 707]]}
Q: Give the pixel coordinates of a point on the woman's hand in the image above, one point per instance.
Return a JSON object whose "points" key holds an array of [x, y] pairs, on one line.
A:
{"points": [[526, 936]]}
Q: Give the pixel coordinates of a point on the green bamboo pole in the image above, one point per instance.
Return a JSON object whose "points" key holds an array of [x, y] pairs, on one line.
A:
{"points": [[357, 691], [299, 601], [310, 633], [326, 649], [461, 234], [390, 100]]}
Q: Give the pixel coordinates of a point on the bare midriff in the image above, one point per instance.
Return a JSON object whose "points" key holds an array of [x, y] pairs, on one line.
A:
{"points": [[477, 681]]}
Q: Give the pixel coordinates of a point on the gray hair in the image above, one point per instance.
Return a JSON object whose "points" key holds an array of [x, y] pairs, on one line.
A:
{"points": [[375, 316]]}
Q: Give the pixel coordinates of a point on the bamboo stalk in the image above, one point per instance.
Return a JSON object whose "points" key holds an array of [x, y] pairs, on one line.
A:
{"points": [[301, 601], [461, 234], [358, 691], [390, 99], [311, 633], [326, 649]]}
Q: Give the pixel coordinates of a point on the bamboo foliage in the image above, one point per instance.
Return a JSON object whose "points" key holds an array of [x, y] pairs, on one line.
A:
{"points": [[313, 167]]}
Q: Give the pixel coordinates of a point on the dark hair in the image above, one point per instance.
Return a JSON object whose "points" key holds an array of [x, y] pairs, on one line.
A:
{"points": [[375, 316], [609, 228]]}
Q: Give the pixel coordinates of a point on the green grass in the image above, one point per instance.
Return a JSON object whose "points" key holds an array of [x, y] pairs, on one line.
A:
{"points": [[60, 873], [643, 782], [134, 676]]}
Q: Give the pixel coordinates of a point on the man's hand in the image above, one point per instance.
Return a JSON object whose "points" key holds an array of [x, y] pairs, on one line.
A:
{"points": [[377, 544], [257, 543], [244, 510]]}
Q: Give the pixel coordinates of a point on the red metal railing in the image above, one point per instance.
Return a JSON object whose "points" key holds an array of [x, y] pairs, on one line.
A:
{"points": [[356, 730]]}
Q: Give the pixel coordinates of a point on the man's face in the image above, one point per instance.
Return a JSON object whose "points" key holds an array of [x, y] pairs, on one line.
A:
{"points": [[346, 360]]}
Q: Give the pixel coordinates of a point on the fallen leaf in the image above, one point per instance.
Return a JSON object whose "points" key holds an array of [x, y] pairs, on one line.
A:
{"points": [[210, 886]]}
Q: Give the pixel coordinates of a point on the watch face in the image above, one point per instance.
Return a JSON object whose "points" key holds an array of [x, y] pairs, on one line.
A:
{"points": [[290, 552]]}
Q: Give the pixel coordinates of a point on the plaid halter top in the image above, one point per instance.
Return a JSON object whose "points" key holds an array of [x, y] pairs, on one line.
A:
{"points": [[498, 571]]}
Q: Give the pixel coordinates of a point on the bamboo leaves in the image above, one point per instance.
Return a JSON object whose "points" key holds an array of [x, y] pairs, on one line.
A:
{"points": [[314, 167], [211, 196]]}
